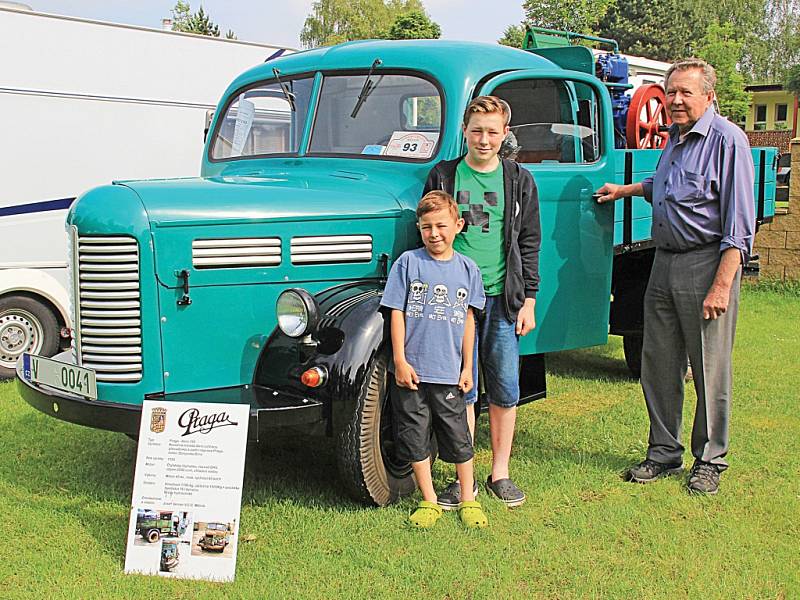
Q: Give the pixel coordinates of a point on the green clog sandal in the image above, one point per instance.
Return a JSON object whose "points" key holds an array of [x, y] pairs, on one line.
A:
{"points": [[472, 515], [426, 515]]}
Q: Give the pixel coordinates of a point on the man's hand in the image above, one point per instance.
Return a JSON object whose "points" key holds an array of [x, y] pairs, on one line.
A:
{"points": [[719, 294], [609, 192], [465, 381], [526, 320], [405, 375], [716, 302], [612, 191]]}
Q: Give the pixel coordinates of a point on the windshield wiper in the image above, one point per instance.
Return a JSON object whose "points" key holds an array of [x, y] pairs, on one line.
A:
{"points": [[366, 89], [290, 97]]}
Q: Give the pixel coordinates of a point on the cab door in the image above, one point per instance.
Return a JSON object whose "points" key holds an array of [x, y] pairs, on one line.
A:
{"points": [[563, 127]]}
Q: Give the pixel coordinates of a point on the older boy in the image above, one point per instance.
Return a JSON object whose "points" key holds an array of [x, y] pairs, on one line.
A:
{"points": [[500, 206], [432, 292]]}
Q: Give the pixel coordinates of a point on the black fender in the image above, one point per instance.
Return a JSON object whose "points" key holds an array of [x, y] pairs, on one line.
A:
{"points": [[351, 332]]}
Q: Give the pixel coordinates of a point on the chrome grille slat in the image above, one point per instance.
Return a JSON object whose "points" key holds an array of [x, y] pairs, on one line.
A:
{"points": [[331, 249], [99, 331], [108, 312], [111, 304], [234, 253]]}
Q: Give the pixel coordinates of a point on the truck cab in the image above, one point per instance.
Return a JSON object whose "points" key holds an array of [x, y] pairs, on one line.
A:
{"points": [[259, 282]]}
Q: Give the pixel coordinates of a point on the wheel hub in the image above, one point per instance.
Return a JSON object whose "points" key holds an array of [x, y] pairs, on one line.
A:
{"points": [[17, 335]]}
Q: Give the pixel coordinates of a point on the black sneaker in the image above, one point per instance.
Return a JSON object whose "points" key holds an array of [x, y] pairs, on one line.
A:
{"points": [[506, 490], [703, 478], [650, 470], [450, 498]]}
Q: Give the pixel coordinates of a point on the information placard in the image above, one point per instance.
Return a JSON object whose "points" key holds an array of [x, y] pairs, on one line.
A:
{"points": [[187, 491]]}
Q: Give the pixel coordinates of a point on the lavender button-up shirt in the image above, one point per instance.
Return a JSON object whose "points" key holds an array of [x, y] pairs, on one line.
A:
{"points": [[702, 190]]}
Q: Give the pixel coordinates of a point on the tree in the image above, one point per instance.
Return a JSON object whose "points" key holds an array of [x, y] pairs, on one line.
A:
{"points": [[414, 25], [200, 23], [721, 48], [580, 16], [778, 43], [335, 21], [513, 36], [791, 80], [650, 28]]}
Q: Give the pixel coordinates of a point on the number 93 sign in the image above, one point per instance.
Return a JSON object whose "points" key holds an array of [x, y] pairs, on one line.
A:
{"points": [[411, 144]]}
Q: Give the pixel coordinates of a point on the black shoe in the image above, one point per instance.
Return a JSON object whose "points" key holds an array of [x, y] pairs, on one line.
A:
{"points": [[703, 478], [650, 470], [450, 498], [506, 490]]}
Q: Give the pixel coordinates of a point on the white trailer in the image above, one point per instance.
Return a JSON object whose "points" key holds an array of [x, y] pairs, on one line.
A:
{"points": [[83, 103]]}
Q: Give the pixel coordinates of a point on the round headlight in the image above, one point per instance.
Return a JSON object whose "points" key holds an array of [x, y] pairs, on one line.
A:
{"points": [[297, 311]]}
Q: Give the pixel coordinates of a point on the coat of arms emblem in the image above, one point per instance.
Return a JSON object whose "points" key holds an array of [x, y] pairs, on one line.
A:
{"points": [[158, 419]]}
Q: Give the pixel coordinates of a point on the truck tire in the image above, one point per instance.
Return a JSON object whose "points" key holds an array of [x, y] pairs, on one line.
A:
{"points": [[632, 347], [153, 535], [364, 446], [26, 325]]}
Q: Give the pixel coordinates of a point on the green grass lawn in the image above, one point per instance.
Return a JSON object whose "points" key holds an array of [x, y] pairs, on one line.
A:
{"points": [[65, 493]]}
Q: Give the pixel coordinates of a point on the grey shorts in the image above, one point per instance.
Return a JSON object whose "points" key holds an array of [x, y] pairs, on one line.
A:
{"points": [[437, 406]]}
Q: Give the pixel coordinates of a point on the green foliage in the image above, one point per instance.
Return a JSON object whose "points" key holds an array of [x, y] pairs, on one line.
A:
{"points": [[514, 36], [650, 28], [414, 25], [580, 16], [183, 19], [335, 21], [777, 44], [791, 80], [721, 48]]}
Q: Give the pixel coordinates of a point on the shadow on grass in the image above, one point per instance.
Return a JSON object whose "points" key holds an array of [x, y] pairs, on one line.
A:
{"points": [[601, 363]]}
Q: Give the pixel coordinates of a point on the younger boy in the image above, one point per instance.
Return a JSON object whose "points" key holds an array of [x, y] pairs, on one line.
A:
{"points": [[432, 292], [500, 204]]}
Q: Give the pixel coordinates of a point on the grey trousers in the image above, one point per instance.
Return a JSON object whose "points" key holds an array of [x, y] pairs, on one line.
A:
{"points": [[674, 328]]}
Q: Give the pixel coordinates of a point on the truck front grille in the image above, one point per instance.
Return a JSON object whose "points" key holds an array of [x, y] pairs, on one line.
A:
{"points": [[331, 249], [234, 253], [108, 308]]}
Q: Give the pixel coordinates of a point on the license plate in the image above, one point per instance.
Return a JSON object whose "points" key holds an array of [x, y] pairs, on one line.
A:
{"points": [[62, 376]]}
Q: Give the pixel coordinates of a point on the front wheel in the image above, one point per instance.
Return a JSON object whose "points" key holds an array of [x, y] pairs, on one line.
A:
{"points": [[153, 536], [26, 325], [365, 447]]}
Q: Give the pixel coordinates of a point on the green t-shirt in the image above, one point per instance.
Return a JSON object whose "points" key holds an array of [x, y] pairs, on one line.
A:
{"points": [[481, 198]]}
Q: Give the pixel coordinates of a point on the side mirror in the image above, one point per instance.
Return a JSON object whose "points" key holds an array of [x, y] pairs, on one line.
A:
{"points": [[209, 119]]}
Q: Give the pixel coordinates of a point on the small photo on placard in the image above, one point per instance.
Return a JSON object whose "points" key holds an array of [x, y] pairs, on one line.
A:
{"points": [[412, 144], [213, 538]]}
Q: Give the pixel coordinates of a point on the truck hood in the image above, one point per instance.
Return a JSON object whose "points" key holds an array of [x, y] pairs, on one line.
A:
{"points": [[280, 227], [227, 199]]}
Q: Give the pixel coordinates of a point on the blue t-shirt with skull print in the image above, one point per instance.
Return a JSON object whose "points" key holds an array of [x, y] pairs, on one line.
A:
{"points": [[434, 296]]}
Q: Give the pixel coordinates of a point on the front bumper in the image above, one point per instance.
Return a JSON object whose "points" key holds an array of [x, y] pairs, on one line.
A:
{"points": [[269, 409]]}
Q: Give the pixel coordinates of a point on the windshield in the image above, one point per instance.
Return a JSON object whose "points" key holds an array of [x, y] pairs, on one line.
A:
{"points": [[400, 116], [391, 115], [261, 120]]}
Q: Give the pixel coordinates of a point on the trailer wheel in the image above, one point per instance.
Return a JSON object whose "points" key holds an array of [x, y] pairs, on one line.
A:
{"points": [[153, 535], [632, 346], [365, 448], [26, 325]]}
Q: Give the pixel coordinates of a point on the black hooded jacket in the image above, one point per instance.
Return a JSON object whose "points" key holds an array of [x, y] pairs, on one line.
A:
{"points": [[522, 232]]}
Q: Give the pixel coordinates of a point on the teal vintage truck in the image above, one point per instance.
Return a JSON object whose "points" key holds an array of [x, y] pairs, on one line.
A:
{"points": [[259, 281]]}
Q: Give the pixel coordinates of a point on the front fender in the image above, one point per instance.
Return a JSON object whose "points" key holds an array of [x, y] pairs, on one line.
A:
{"points": [[350, 334]]}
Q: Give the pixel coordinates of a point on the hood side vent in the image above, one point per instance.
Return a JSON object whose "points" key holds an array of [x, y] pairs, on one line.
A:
{"points": [[331, 249], [236, 253]]}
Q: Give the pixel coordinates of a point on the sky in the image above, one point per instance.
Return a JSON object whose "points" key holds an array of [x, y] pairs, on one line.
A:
{"points": [[279, 22]]}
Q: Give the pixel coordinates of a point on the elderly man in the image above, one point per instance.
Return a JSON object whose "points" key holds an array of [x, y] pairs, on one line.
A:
{"points": [[703, 226]]}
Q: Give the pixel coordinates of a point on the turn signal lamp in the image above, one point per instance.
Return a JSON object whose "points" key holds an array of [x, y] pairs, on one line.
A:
{"points": [[314, 377]]}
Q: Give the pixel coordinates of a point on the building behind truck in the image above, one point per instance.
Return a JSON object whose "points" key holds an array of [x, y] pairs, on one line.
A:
{"points": [[83, 103]]}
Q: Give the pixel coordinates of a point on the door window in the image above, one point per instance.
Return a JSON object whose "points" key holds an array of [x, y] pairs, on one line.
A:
{"points": [[553, 120]]}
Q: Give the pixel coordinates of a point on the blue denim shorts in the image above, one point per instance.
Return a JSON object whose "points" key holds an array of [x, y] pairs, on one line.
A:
{"points": [[497, 345]]}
